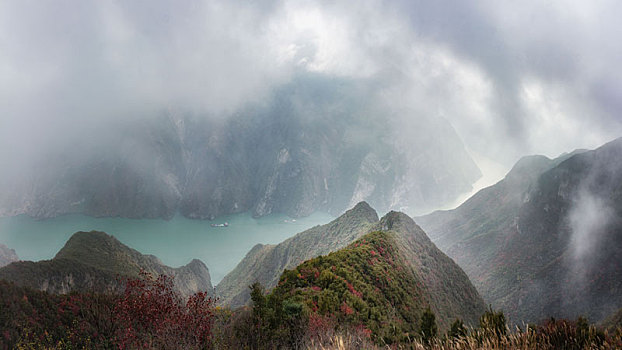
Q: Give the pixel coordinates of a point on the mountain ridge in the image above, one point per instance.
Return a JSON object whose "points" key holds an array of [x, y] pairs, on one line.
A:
{"points": [[265, 263], [518, 239], [95, 261]]}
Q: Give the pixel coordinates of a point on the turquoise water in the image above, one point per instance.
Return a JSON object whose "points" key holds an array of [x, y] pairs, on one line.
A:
{"points": [[175, 242]]}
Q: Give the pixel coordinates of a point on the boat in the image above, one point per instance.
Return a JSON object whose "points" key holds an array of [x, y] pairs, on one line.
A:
{"points": [[226, 224]]}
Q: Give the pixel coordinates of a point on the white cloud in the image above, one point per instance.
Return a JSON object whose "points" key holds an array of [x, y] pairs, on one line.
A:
{"points": [[513, 78]]}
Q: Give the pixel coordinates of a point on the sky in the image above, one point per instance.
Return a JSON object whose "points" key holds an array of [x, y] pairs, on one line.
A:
{"points": [[512, 77]]}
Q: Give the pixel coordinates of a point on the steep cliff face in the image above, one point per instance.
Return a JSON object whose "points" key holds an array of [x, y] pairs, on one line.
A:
{"points": [[7, 255], [265, 263], [316, 144], [544, 241], [95, 261]]}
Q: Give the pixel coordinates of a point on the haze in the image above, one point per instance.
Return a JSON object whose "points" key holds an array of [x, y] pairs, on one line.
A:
{"points": [[512, 78]]}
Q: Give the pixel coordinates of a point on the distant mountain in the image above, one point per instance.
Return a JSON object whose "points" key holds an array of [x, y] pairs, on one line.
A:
{"points": [[94, 261], [7, 255], [318, 144], [383, 282], [546, 240], [265, 263]]}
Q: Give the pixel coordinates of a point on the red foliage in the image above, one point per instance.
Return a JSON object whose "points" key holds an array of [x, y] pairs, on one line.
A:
{"points": [[354, 291], [153, 315], [319, 325], [361, 329], [347, 310]]}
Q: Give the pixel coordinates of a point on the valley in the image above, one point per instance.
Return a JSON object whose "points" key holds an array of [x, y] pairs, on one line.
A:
{"points": [[176, 242]]}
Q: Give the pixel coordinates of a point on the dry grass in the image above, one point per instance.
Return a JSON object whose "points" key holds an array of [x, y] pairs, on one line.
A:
{"points": [[519, 340]]}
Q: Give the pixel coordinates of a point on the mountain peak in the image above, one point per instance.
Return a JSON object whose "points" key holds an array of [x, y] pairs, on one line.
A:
{"points": [[398, 221], [94, 260], [534, 165], [363, 210]]}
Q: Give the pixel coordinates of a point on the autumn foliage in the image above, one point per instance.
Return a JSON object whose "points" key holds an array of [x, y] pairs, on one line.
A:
{"points": [[152, 315], [149, 314]]}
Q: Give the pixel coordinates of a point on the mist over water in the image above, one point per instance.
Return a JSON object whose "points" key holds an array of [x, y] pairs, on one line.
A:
{"points": [[176, 242]]}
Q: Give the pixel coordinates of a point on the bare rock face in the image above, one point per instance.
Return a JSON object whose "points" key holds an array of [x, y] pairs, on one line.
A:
{"points": [[316, 145], [7, 255]]}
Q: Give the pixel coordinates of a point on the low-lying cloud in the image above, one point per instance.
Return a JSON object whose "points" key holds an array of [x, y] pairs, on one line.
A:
{"points": [[513, 79]]}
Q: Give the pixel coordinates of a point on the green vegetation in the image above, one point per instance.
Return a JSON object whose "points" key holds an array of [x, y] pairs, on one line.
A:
{"points": [[366, 286], [266, 263], [493, 323], [149, 314], [457, 330], [428, 329], [94, 261], [367, 289]]}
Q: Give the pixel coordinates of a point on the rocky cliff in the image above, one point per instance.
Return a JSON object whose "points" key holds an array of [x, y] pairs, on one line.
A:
{"points": [[316, 144]]}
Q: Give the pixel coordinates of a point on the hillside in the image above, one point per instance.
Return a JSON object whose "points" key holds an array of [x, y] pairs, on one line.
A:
{"points": [[375, 285], [265, 263], [93, 261], [545, 240], [451, 293]]}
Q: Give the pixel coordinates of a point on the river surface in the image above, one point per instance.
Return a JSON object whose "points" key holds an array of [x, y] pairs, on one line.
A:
{"points": [[176, 242]]}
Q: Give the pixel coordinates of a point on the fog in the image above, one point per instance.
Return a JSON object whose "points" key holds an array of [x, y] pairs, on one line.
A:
{"points": [[589, 219], [512, 78]]}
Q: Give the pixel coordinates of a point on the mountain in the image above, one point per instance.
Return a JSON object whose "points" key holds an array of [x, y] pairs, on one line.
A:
{"points": [[383, 282], [546, 240], [7, 255], [94, 261], [446, 286], [265, 263], [318, 143]]}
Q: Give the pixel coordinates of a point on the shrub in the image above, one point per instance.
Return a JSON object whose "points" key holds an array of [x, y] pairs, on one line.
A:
{"points": [[428, 328], [152, 315], [492, 323]]}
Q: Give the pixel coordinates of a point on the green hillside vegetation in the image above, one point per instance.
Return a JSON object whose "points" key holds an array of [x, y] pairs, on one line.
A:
{"points": [[450, 292], [366, 285], [265, 263], [94, 261], [379, 285]]}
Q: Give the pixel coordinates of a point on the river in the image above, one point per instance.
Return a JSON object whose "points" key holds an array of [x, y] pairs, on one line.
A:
{"points": [[176, 242]]}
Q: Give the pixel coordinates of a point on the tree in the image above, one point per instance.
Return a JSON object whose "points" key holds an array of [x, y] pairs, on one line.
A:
{"points": [[428, 328], [152, 315], [493, 322], [457, 329]]}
